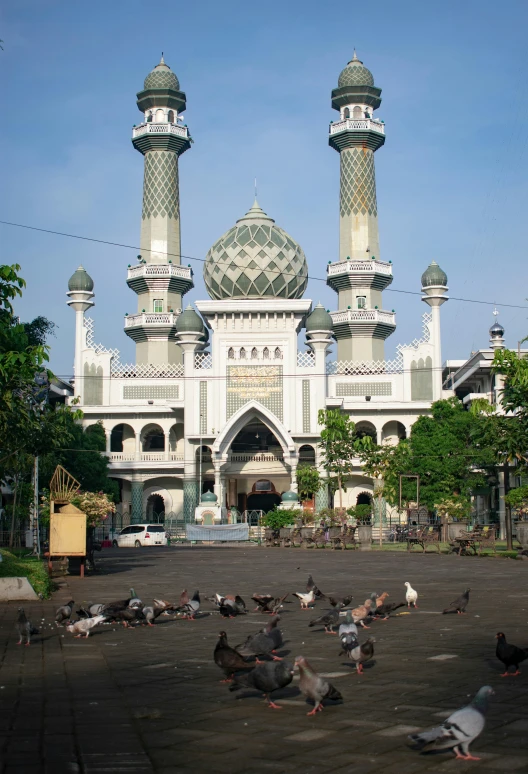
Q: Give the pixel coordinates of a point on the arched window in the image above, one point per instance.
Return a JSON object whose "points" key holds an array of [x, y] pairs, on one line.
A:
{"points": [[160, 116], [242, 353], [346, 113], [170, 116], [357, 112], [149, 117], [361, 302], [265, 353], [278, 353], [254, 353], [230, 353]]}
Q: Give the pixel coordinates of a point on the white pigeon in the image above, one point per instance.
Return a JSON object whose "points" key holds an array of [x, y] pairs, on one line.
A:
{"points": [[84, 625], [411, 596], [459, 730], [305, 599]]}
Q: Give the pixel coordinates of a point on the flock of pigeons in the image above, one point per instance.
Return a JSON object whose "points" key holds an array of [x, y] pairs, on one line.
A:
{"points": [[243, 668]]}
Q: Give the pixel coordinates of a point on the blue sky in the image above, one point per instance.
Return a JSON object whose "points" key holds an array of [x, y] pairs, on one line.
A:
{"points": [[451, 178]]}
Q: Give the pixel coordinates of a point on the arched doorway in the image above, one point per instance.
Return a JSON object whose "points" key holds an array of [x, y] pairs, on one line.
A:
{"points": [[364, 498], [155, 508], [255, 437], [263, 496]]}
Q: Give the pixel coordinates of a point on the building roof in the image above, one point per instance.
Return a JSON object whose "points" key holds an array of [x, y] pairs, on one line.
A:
{"points": [[80, 280], [355, 74], [189, 322], [318, 320], [255, 259], [434, 275], [162, 77]]}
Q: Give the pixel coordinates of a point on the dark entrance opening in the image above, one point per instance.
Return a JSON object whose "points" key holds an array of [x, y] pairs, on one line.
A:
{"points": [[363, 498], [155, 508]]}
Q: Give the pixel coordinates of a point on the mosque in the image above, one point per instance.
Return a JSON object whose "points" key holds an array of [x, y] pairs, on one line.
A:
{"points": [[221, 405]]}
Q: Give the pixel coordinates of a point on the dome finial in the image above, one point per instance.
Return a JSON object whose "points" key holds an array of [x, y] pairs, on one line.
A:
{"points": [[162, 61], [355, 57]]}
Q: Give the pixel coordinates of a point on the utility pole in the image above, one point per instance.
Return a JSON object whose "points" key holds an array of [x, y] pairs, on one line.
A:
{"points": [[507, 514]]}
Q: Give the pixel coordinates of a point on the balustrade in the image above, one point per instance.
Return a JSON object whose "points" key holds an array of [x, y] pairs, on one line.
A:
{"points": [[361, 125]]}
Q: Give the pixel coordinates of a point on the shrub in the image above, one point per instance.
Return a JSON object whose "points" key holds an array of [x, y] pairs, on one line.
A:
{"points": [[276, 518]]}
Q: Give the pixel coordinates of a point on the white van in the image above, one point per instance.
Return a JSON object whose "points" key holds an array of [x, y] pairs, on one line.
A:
{"points": [[137, 535]]}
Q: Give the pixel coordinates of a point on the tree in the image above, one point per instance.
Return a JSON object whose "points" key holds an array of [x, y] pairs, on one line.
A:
{"points": [[308, 481], [339, 445]]}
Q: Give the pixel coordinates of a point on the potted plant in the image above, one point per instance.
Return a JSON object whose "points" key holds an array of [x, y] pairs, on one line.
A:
{"points": [[363, 515], [453, 513], [517, 499]]}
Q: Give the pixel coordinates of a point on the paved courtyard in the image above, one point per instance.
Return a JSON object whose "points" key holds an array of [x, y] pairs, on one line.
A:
{"points": [[149, 699]]}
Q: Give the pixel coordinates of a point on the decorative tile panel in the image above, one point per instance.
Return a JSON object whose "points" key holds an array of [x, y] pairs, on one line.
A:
{"points": [[306, 405], [358, 182], [321, 498], [356, 389], [136, 515], [259, 383], [160, 185], [151, 391], [190, 500], [203, 407]]}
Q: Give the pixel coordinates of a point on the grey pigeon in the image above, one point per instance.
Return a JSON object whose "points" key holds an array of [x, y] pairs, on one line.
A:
{"points": [[460, 603], [348, 635], [267, 677], [273, 631], [328, 620], [387, 608], [311, 586], [459, 730], [262, 600], [348, 626], [356, 652], [24, 627], [228, 659], [190, 609], [339, 603], [314, 686], [64, 612], [260, 644], [151, 612], [84, 625]]}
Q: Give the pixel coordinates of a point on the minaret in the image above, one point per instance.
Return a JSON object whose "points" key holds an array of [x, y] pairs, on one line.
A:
{"points": [[80, 292], [496, 334], [159, 279], [434, 289], [361, 325]]}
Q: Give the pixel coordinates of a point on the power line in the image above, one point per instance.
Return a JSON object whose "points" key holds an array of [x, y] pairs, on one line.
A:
{"points": [[270, 271]]}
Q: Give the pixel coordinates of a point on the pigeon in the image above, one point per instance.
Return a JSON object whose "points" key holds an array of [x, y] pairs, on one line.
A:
{"points": [[310, 586], [134, 600], [314, 686], [273, 631], [231, 606], [127, 615], [24, 627], [190, 609], [267, 677], [339, 603], [411, 596], [64, 612], [459, 604], [273, 607], [262, 601], [348, 635], [151, 612], [459, 730], [122, 603], [305, 599], [361, 613], [381, 599], [510, 655], [184, 598], [348, 626], [229, 659], [385, 610], [260, 644], [356, 652], [328, 620], [84, 625]]}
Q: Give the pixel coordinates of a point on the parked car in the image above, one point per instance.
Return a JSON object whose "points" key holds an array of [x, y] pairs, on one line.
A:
{"points": [[137, 535]]}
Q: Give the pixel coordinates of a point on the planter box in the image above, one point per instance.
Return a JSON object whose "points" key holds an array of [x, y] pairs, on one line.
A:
{"points": [[455, 529], [522, 533], [306, 532], [364, 536]]}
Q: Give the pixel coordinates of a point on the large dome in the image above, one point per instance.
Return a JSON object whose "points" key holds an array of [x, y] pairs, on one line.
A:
{"points": [[162, 77], [255, 259], [355, 74]]}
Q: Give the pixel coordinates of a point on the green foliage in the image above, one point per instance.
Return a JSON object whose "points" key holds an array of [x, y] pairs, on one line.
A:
{"points": [[29, 567], [508, 434], [362, 513], [308, 481], [276, 518], [339, 445], [518, 499]]}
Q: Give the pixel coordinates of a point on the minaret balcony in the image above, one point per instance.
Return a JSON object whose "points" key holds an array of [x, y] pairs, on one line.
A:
{"points": [[145, 326], [359, 274], [152, 136], [363, 322], [163, 277], [368, 132]]}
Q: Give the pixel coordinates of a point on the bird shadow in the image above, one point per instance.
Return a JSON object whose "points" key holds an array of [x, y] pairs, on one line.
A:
{"points": [[369, 665], [283, 693]]}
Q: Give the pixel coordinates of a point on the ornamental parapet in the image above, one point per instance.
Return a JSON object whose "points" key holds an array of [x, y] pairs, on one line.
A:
{"points": [[351, 132], [353, 124], [363, 322], [145, 326], [350, 273], [165, 277], [152, 136]]}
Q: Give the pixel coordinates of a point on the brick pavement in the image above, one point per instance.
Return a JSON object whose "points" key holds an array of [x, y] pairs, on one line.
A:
{"points": [[149, 700]]}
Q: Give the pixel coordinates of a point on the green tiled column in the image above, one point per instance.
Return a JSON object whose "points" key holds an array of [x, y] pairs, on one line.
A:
{"points": [[136, 515], [321, 499], [190, 500]]}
